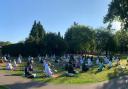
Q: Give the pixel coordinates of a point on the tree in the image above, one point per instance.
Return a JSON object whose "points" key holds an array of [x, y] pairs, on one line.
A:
{"points": [[79, 38], [105, 41], [121, 38], [37, 33], [118, 10], [54, 44], [2, 43]]}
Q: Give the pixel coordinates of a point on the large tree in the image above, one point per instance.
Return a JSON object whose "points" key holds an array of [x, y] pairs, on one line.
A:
{"points": [[79, 38], [105, 41], [121, 38], [37, 33], [54, 44], [118, 10]]}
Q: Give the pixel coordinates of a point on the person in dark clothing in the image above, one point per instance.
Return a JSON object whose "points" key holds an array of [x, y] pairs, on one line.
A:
{"points": [[70, 68], [84, 67], [28, 71]]}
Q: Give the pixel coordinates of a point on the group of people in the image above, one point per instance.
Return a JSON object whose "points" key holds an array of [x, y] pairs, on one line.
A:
{"points": [[11, 65], [84, 63], [69, 62]]}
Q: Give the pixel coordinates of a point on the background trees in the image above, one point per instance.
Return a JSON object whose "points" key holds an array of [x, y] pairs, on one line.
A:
{"points": [[37, 33], [118, 10], [105, 41], [79, 38], [121, 38], [54, 44], [38, 43]]}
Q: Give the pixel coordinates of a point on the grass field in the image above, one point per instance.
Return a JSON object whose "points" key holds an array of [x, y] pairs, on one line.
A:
{"points": [[3, 87], [88, 77]]}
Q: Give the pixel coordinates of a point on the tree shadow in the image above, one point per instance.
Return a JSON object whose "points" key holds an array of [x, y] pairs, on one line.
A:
{"points": [[27, 85], [117, 80]]}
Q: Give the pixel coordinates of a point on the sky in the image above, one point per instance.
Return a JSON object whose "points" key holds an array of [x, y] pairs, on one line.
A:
{"points": [[17, 16]]}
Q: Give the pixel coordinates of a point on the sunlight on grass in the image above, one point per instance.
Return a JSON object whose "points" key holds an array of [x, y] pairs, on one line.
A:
{"points": [[82, 78]]}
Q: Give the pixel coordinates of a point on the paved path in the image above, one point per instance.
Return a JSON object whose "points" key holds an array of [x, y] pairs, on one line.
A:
{"points": [[17, 82]]}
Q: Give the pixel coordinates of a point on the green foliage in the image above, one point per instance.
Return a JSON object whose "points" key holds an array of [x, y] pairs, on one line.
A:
{"points": [[118, 11], [105, 40], [4, 43], [54, 44], [79, 38], [37, 43], [37, 33], [121, 38]]}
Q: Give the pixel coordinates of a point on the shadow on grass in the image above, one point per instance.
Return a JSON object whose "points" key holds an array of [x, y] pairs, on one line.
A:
{"points": [[117, 80]]}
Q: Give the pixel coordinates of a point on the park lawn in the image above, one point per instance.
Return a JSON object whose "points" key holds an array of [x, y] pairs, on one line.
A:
{"points": [[88, 77], [82, 78], [3, 87]]}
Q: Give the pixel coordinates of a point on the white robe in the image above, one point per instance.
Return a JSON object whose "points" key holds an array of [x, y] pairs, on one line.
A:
{"points": [[19, 60], [39, 58], [5, 59], [89, 62], [14, 64], [9, 66], [97, 61], [47, 70], [106, 60], [81, 61], [110, 64]]}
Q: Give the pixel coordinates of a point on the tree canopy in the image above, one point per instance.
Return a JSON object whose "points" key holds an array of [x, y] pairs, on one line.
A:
{"points": [[118, 10], [79, 38], [37, 33]]}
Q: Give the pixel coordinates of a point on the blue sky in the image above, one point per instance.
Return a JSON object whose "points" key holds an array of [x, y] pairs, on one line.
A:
{"points": [[17, 16]]}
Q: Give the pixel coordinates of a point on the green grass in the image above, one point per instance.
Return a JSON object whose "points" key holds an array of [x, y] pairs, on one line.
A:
{"points": [[3, 87], [82, 78]]}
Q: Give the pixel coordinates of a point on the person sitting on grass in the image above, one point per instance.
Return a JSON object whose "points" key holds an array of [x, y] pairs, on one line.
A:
{"points": [[77, 63], [47, 69], [39, 58], [9, 65], [97, 60], [81, 60], [15, 64], [110, 64], [1, 60], [28, 71], [85, 67], [106, 60], [101, 66], [19, 60], [89, 61], [70, 70], [5, 59], [117, 60], [127, 61]]}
